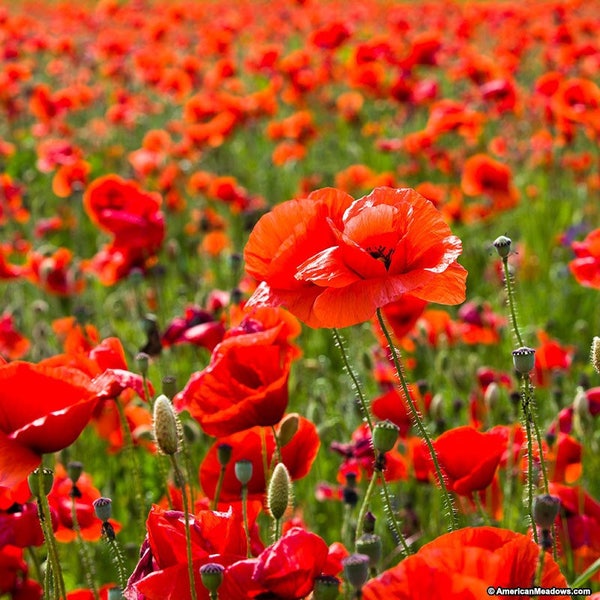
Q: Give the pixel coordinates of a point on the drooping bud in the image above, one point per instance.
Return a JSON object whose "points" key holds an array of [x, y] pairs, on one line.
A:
{"points": [[166, 428], [523, 360], [502, 245], [369, 522], [279, 493], [545, 510], [211, 575], [288, 428], [385, 436], [34, 482], [243, 471]]}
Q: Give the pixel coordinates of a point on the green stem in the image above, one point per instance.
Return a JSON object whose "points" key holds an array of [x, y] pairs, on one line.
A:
{"points": [[215, 502], [116, 554], [481, 509], [37, 567], [530, 484], [511, 301], [357, 388], [140, 505], [419, 423], [180, 480], [245, 517], [587, 574], [277, 454], [365, 504], [86, 561], [399, 537], [540, 568], [54, 571]]}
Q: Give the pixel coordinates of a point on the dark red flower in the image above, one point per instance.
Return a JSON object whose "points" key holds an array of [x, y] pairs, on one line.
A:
{"points": [[333, 261]]}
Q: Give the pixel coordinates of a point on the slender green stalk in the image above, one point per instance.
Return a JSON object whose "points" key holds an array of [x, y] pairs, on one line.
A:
{"points": [[180, 480], [115, 552], [54, 572], [364, 506], [587, 574], [37, 567], [530, 483], [215, 501], [88, 568], [398, 536], [511, 300], [540, 568], [357, 387], [419, 423], [245, 518], [480, 509]]}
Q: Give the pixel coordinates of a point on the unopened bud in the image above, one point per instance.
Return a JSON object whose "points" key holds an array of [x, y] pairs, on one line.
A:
{"points": [[169, 386], [545, 510], [74, 471], [595, 354], [142, 360], [166, 427], [288, 428], [278, 496], [224, 452]]}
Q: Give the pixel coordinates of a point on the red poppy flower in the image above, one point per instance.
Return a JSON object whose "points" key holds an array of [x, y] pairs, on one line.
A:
{"points": [[246, 382], [464, 564], [20, 526], [42, 409], [468, 458], [333, 261], [298, 456], [401, 316], [586, 265], [14, 579], [13, 344]]}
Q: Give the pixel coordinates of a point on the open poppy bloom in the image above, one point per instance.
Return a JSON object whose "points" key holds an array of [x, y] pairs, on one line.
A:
{"points": [[464, 564], [586, 264], [42, 409], [332, 261]]}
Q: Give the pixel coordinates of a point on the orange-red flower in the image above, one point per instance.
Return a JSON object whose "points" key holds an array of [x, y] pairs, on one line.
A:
{"points": [[464, 564], [586, 265], [333, 261]]}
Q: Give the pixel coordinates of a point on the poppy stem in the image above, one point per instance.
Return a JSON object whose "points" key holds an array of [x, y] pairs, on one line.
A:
{"points": [[419, 422], [530, 482], [88, 568], [180, 480], [357, 387], [398, 537], [587, 574], [360, 523], [245, 518], [215, 502], [511, 301], [480, 509]]}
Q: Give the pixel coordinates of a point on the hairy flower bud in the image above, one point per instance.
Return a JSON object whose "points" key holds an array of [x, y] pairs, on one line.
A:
{"points": [[166, 426], [278, 495]]}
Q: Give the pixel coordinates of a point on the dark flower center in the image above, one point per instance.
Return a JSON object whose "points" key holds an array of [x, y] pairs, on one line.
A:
{"points": [[382, 254]]}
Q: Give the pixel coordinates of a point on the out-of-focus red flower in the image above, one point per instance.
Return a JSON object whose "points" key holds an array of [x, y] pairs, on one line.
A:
{"points": [[586, 264], [551, 357], [42, 410], [246, 381], [134, 219], [11, 207], [20, 526], [467, 562], [564, 421], [197, 326], [393, 406], [468, 458], [401, 316], [55, 273], [70, 178], [13, 344], [298, 456], [485, 176], [333, 261], [14, 578], [563, 460]]}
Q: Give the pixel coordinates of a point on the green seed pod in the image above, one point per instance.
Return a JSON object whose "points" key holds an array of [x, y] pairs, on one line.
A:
{"points": [[103, 508], [212, 576], [385, 436], [169, 386], [356, 569], [243, 471], [34, 482], [166, 426], [74, 470], [279, 493], [523, 360], [327, 587], [142, 360], [502, 245], [224, 454], [370, 544]]}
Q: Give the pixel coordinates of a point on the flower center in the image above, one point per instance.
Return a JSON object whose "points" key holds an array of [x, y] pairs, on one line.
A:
{"points": [[382, 254]]}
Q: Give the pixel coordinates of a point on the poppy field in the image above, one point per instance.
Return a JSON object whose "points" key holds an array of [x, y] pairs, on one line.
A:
{"points": [[299, 299]]}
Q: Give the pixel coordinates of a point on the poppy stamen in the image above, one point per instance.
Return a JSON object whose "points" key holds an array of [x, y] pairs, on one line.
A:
{"points": [[382, 254]]}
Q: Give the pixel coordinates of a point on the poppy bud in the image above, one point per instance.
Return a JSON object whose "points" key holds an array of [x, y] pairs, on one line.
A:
{"points": [[169, 386], [581, 404], [370, 544], [545, 510], [523, 360], [74, 470], [142, 360], [166, 430], [103, 508], [212, 576], [595, 355], [278, 496], [243, 471], [327, 587], [356, 569], [502, 245], [491, 395], [288, 428], [385, 436], [224, 454], [369, 522], [34, 482]]}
